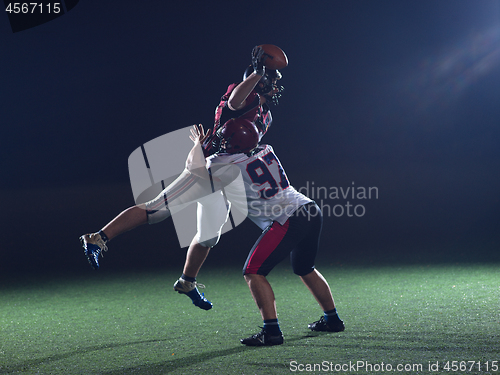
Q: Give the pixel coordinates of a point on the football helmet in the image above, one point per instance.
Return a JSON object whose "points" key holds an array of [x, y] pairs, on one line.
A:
{"points": [[267, 84], [237, 136]]}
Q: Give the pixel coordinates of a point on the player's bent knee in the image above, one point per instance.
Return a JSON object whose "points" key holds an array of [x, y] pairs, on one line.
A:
{"points": [[209, 243], [255, 271], [302, 271], [155, 216]]}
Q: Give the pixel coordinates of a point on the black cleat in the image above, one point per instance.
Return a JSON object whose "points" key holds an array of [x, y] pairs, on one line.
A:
{"points": [[323, 326], [263, 339]]}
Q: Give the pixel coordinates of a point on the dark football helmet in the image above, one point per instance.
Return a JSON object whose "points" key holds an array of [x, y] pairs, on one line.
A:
{"points": [[269, 89], [237, 136]]}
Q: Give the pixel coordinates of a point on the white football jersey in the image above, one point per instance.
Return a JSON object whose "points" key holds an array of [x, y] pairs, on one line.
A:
{"points": [[269, 195]]}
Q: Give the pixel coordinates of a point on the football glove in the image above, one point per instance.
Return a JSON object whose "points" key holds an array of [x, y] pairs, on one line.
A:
{"points": [[258, 60]]}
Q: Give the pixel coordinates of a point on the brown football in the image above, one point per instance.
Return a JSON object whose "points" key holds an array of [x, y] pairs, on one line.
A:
{"points": [[276, 58]]}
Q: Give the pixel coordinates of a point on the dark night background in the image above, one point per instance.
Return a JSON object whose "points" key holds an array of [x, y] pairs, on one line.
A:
{"points": [[399, 95]]}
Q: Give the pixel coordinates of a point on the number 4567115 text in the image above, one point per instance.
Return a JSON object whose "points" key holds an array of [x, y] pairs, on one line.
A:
{"points": [[33, 8]]}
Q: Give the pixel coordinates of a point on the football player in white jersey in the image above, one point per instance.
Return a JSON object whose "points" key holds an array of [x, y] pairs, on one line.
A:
{"points": [[291, 224]]}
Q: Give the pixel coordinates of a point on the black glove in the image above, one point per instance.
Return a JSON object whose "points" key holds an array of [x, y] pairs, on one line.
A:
{"points": [[258, 60]]}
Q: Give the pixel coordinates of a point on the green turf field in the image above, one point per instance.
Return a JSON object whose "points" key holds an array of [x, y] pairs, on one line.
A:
{"points": [[102, 323]]}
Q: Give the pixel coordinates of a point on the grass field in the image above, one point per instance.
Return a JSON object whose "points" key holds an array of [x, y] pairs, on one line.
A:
{"points": [[101, 323]]}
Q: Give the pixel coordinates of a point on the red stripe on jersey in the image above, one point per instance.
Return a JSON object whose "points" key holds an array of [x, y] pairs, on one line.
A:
{"points": [[266, 246]]}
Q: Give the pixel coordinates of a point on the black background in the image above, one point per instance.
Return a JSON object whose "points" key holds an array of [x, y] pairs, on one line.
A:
{"points": [[399, 95]]}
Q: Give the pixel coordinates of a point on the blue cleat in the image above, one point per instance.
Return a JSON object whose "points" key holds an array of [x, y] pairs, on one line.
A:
{"points": [[190, 289], [93, 246]]}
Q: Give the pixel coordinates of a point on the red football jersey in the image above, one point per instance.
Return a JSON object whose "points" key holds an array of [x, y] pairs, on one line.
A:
{"points": [[260, 115]]}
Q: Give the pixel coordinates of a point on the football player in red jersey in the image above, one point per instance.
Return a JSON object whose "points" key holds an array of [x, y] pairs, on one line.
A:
{"points": [[249, 99]]}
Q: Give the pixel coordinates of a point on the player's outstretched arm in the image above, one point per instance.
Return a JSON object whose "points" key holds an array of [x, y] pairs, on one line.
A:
{"points": [[238, 97], [196, 162]]}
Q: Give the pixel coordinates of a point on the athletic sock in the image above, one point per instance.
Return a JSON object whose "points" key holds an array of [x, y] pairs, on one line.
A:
{"points": [[188, 278], [272, 327], [331, 316], [103, 236]]}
